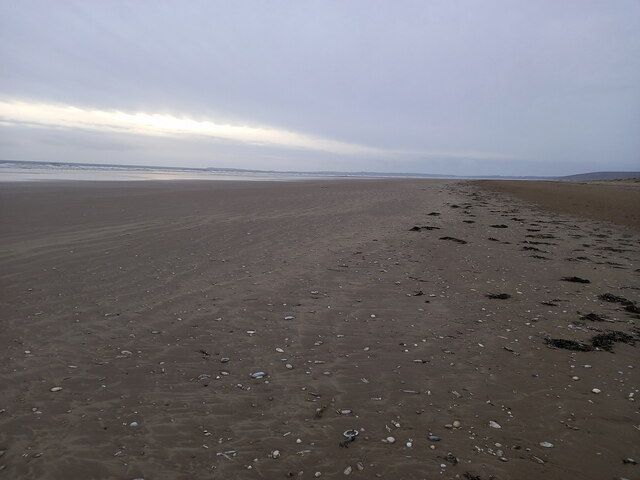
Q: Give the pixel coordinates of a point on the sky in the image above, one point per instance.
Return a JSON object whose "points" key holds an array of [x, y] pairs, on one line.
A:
{"points": [[484, 87]]}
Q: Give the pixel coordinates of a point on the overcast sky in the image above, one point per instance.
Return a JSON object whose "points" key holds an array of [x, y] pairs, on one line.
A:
{"points": [[456, 87]]}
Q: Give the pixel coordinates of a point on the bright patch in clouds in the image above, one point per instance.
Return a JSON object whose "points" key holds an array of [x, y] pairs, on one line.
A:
{"points": [[67, 116]]}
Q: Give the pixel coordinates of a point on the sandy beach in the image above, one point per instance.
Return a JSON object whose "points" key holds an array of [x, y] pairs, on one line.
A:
{"points": [[462, 332]]}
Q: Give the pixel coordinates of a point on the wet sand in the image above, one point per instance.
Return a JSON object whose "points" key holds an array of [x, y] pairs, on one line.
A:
{"points": [[366, 304]]}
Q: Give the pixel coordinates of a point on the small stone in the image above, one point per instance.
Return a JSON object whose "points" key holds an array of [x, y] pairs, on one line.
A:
{"points": [[55, 389], [224, 360], [596, 390], [345, 411], [275, 454], [493, 424], [360, 466], [258, 375], [279, 350], [289, 317], [348, 470], [289, 366], [434, 438], [547, 444], [134, 424], [456, 424], [317, 474], [390, 440]]}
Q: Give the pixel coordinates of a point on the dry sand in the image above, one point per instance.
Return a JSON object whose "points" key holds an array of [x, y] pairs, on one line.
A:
{"points": [[613, 201], [129, 296]]}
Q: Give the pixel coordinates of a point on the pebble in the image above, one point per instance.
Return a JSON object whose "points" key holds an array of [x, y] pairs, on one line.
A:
{"points": [[596, 390], [360, 466], [546, 444], [224, 359], [457, 424], [134, 424], [345, 411], [258, 375], [279, 350], [434, 438], [390, 440], [493, 424], [275, 454], [289, 366], [348, 470], [574, 378], [55, 389], [289, 317], [317, 474]]}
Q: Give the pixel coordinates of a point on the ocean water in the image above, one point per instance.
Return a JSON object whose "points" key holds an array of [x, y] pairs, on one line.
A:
{"points": [[13, 173]]}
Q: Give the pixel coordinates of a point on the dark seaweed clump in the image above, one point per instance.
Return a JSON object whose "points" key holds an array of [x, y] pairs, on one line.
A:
{"points": [[608, 297], [454, 239], [576, 280], [498, 296], [568, 344], [628, 305], [594, 317], [632, 308], [605, 341]]}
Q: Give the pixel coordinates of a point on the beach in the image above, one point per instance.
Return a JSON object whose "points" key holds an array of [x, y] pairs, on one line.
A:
{"points": [[232, 330]]}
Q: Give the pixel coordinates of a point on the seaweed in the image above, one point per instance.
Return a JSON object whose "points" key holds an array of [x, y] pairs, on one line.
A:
{"points": [[605, 341], [576, 280], [568, 344]]}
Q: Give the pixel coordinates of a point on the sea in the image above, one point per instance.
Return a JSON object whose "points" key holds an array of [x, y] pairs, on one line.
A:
{"points": [[11, 171]]}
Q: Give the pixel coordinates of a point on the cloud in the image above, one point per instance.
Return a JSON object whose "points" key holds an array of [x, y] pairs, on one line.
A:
{"points": [[87, 123], [144, 123]]}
